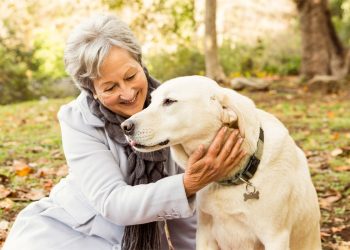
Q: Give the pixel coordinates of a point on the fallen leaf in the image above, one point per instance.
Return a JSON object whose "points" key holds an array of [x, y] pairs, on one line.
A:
{"points": [[336, 152], [44, 171], [62, 171], [335, 136], [36, 149], [48, 184], [330, 115], [6, 203], [4, 192], [337, 229], [4, 224], [343, 168], [4, 179], [21, 168], [35, 194], [329, 198]]}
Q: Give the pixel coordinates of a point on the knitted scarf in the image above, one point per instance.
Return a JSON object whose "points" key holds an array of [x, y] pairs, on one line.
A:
{"points": [[143, 168]]}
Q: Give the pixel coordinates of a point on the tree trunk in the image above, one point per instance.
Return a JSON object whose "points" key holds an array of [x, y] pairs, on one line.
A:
{"points": [[212, 66], [322, 51]]}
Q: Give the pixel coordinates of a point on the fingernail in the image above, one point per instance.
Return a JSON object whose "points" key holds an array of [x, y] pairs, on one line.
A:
{"points": [[236, 132], [224, 129], [241, 140]]}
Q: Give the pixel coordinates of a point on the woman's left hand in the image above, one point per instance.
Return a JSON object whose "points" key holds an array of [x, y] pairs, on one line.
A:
{"points": [[214, 164]]}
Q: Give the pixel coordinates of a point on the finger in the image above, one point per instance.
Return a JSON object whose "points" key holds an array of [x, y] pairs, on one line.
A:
{"points": [[229, 143], [237, 160], [235, 152], [196, 155], [216, 145]]}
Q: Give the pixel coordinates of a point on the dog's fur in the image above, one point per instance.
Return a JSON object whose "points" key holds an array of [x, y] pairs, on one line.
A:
{"points": [[187, 112]]}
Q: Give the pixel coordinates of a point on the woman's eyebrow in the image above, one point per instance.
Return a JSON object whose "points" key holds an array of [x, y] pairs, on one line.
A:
{"points": [[130, 69], [105, 83]]}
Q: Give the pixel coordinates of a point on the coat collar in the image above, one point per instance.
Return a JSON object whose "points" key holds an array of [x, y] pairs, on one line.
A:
{"points": [[88, 117]]}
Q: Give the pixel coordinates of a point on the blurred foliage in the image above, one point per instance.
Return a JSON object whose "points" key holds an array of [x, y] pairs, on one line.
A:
{"points": [[184, 61], [239, 59], [172, 19], [29, 72], [32, 35], [252, 60], [340, 11]]}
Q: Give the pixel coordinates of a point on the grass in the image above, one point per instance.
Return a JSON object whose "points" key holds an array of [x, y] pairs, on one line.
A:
{"points": [[30, 137]]}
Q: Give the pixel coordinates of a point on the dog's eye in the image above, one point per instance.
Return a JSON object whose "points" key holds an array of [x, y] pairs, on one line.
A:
{"points": [[168, 102]]}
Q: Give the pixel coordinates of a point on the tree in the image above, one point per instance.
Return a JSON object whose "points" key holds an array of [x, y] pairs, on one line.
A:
{"points": [[322, 51], [212, 66]]}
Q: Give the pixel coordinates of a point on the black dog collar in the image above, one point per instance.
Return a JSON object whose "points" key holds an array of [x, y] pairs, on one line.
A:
{"points": [[249, 170]]}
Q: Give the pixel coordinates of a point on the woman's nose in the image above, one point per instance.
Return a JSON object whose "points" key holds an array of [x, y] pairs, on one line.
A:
{"points": [[127, 94]]}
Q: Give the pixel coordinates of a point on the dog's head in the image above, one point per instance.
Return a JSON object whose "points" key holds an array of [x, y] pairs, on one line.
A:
{"points": [[187, 111]]}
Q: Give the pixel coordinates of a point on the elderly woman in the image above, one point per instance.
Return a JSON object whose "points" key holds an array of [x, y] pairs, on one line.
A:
{"points": [[113, 196]]}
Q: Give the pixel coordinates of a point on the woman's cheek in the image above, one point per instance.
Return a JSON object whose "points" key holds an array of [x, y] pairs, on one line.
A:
{"points": [[111, 101]]}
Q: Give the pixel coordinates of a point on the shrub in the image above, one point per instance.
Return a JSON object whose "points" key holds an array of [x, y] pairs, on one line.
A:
{"points": [[184, 61]]}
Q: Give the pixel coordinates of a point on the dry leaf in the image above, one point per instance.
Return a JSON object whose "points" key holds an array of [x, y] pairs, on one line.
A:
{"points": [[36, 149], [336, 152], [21, 168], [342, 168], [62, 171], [48, 184], [6, 203], [4, 192], [327, 201], [35, 194], [4, 224], [330, 115], [335, 136], [44, 171]]}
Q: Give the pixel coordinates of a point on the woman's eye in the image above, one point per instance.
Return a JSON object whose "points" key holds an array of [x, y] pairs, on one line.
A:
{"points": [[130, 77], [168, 101], [109, 89]]}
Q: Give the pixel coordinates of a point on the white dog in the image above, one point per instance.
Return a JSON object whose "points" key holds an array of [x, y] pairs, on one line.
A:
{"points": [[269, 202]]}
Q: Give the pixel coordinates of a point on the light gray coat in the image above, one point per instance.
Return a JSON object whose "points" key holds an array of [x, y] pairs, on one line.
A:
{"points": [[90, 207]]}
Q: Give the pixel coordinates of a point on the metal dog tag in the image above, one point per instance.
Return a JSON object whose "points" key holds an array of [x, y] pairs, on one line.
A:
{"points": [[251, 195]]}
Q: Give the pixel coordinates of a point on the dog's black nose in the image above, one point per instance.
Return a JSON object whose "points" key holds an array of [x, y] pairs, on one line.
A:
{"points": [[128, 127]]}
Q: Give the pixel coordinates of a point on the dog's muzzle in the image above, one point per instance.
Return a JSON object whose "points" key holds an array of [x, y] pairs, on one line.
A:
{"points": [[128, 127]]}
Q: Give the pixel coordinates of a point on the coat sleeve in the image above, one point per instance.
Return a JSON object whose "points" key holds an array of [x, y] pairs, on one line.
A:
{"points": [[99, 178]]}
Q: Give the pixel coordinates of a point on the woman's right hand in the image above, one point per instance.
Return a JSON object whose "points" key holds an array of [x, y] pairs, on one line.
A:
{"points": [[217, 162]]}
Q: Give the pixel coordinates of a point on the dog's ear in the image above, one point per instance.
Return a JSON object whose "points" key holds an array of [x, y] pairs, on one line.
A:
{"points": [[244, 112], [228, 116]]}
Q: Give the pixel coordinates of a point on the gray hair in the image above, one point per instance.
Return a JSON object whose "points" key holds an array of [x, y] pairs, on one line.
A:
{"points": [[89, 44]]}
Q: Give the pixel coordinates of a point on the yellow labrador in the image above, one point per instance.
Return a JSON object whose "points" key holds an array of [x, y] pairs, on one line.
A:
{"points": [[269, 202]]}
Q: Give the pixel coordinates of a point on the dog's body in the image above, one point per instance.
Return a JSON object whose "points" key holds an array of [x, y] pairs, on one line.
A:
{"points": [[188, 111]]}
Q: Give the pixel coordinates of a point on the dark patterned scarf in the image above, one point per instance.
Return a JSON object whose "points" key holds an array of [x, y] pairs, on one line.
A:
{"points": [[143, 168]]}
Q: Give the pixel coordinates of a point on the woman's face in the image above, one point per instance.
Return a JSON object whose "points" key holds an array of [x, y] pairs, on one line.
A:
{"points": [[122, 87]]}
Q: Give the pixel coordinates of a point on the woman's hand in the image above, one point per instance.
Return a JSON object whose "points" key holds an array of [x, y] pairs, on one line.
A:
{"points": [[220, 159]]}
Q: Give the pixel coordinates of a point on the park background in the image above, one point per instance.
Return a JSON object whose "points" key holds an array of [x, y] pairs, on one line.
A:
{"points": [[293, 55]]}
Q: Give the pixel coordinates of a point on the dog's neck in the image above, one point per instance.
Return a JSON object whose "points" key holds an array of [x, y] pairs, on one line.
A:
{"points": [[181, 152]]}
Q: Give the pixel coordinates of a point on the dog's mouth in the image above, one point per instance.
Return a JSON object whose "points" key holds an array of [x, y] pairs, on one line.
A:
{"points": [[141, 146]]}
